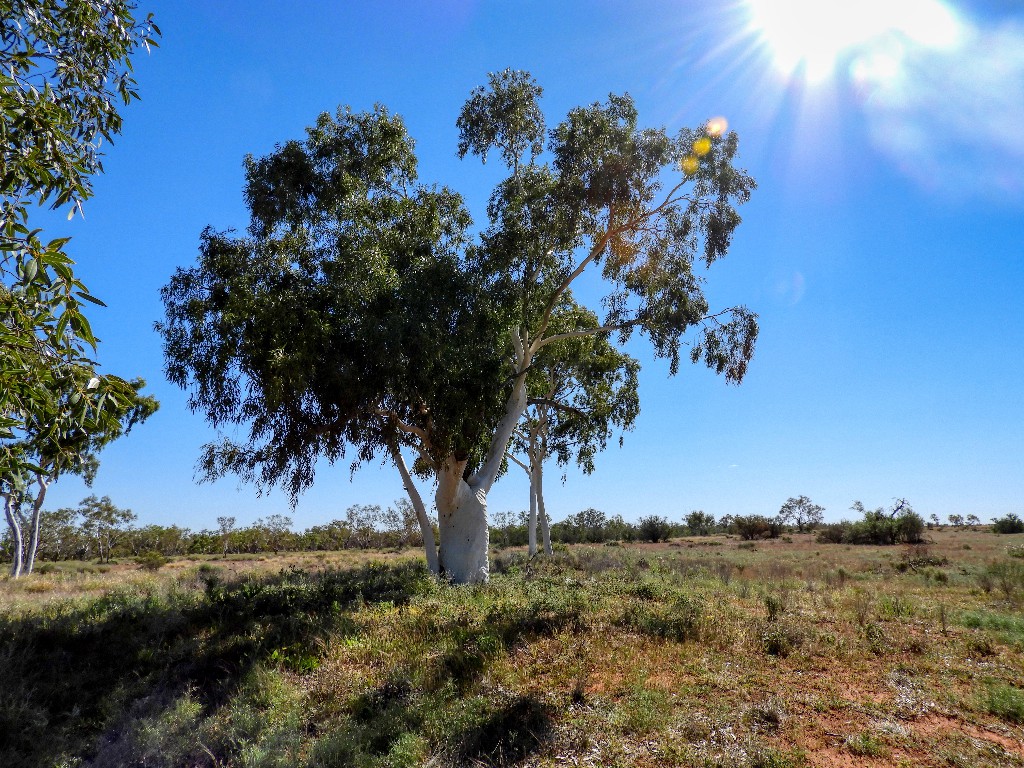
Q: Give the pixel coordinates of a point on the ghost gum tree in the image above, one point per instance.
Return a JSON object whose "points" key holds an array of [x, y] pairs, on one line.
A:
{"points": [[580, 389], [361, 310]]}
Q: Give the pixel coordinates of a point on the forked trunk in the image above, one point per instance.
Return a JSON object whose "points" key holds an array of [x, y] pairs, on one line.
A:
{"points": [[462, 504]]}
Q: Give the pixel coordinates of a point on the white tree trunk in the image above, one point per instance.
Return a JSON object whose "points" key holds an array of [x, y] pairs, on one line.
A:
{"points": [[37, 514], [16, 538], [426, 529], [542, 512], [533, 511], [462, 521]]}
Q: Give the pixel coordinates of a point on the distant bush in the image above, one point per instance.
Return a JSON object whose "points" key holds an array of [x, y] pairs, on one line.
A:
{"points": [[832, 533], [151, 561], [699, 523], [900, 525], [1009, 524], [654, 528], [751, 527]]}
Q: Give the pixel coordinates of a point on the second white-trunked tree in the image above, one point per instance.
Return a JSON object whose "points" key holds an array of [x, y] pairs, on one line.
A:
{"points": [[581, 389], [362, 311]]}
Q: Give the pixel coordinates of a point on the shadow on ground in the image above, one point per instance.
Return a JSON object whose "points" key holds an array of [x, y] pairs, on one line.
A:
{"points": [[69, 675]]}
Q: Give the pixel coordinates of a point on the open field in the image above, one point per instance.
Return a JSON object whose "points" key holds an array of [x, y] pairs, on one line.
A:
{"points": [[699, 652]]}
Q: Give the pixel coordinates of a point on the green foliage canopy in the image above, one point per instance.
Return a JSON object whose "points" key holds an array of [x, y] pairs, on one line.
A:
{"points": [[360, 307]]}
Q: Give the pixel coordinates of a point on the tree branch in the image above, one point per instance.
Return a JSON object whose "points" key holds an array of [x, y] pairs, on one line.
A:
{"points": [[587, 332], [556, 405], [517, 461], [409, 429]]}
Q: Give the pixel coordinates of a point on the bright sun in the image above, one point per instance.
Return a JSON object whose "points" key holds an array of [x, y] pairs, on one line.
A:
{"points": [[810, 36]]}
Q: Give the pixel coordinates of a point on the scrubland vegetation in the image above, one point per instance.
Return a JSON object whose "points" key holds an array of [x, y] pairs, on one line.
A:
{"points": [[707, 651]]}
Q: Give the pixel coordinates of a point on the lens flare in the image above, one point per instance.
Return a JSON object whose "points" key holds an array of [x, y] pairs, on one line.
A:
{"points": [[716, 126], [689, 164], [702, 146]]}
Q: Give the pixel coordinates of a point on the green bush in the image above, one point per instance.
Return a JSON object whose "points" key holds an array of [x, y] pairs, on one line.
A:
{"points": [[899, 526], [1009, 524], [654, 528], [151, 561], [751, 527]]}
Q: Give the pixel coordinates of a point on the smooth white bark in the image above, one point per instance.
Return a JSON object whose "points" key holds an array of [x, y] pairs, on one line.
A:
{"points": [[532, 548], [462, 503], [462, 523], [37, 514], [541, 511], [16, 536]]}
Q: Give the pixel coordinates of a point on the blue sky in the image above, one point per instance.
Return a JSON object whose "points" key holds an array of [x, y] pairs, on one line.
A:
{"points": [[883, 249]]}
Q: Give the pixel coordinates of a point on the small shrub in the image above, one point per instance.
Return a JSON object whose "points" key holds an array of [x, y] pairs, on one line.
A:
{"points": [[878, 643], [779, 638], [861, 604], [865, 745], [767, 716], [1006, 702], [151, 561], [1008, 576], [775, 604], [980, 646], [724, 571], [894, 607], [37, 587], [644, 710], [678, 620]]}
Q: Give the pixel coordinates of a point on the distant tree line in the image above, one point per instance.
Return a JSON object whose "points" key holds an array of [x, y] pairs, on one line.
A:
{"points": [[99, 530]]}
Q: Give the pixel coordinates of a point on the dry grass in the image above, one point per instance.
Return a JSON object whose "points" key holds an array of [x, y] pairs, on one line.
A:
{"points": [[698, 652]]}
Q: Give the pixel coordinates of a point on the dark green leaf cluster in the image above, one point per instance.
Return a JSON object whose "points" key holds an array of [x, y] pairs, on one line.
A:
{"points": [[503, 115], [348, 304], [63, 64], [1011, 523]]}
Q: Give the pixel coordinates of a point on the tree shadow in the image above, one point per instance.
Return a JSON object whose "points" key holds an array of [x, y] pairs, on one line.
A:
{"points": [[69, 673], [511, 732]]}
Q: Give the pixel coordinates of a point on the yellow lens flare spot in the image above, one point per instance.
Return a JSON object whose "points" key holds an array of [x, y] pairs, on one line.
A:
{"points": [[689, 165], [716, 126], [702, 146]]}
